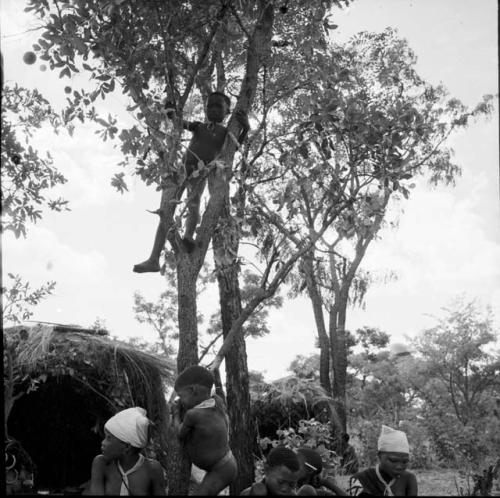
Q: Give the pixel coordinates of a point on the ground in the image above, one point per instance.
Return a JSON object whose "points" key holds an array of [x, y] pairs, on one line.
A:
{"points": [[441, 482]]}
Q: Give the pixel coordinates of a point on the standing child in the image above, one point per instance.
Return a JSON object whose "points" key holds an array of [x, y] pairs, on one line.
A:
{"points": [[121, 469], [389, 477], [204, 429], [281, 473]]}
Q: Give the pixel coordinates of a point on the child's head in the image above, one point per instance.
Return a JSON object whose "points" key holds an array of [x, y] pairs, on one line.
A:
{"points": [[281, 469], [393, 451], [310, 465], [218, 105], [126, 432], [194, 385]]}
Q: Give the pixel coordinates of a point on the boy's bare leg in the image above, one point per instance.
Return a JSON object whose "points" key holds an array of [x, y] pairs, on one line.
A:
{"points": [[195, 191], [173, 192], [152, 264], [219, 477]]}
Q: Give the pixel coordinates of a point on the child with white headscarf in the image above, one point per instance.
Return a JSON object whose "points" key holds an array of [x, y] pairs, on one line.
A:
{"points": [[121, 469], [389, 477]]}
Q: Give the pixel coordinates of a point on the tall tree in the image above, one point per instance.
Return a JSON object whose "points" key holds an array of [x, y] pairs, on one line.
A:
{"points": [[184, 49], [374, 126]]}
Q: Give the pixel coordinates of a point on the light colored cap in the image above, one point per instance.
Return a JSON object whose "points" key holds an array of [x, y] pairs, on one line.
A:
{"points": [[392, 440]]}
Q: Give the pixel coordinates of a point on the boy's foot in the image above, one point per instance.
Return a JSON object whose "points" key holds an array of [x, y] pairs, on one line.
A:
{"points": [[189, 244], [147, 266]]}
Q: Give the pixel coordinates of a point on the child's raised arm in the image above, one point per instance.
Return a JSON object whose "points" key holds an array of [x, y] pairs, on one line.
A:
{"points": [[187, 425], [170, 110]]}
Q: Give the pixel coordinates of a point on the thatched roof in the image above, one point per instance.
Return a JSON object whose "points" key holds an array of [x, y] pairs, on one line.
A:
{"points": [[68, 381]]}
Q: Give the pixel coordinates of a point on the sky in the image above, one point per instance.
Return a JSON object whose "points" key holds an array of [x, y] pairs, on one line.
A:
{"points": [[447, 242]]}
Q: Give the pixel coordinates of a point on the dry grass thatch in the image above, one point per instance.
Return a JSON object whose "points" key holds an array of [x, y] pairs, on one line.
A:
{"points": [[110, 375]]}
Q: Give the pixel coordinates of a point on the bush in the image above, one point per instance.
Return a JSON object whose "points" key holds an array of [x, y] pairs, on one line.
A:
{"points": [[311, 434]]}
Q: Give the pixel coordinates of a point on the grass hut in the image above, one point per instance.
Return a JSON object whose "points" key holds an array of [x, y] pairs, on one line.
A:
{"points": [[61, 384]]}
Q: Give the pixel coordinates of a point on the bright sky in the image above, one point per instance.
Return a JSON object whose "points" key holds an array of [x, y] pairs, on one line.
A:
{"points": [[447, 243]]}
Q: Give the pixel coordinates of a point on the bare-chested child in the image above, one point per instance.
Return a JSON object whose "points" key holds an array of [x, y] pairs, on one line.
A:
{"points": [[206, 143], [389, 477], [121, 469], [281, 473], [203, 427]]}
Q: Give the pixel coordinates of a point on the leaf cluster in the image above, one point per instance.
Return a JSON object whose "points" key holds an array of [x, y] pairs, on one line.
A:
{"points": [[26, 175]]}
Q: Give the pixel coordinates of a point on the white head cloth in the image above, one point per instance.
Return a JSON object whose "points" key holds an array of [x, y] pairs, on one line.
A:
{"points": [[130, 426], [392, 440]]}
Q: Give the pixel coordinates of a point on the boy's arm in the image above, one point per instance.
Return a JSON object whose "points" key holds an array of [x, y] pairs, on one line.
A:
{"points": [[157, 480], [257, 489], [187, 125], [187, 425], [97, 476], [330, 483], [176, 418], [242, 118]]}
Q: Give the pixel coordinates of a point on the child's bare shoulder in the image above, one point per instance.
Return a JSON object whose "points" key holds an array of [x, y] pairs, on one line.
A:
{"points": [[100, 461], [408, 475], [153, 464]]}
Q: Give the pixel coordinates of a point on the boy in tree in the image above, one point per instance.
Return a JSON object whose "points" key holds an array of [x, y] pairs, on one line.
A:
{"points": [[206, 144], [389, 477], [281, 472], [121, 469], [311, 480], [204, 429]]}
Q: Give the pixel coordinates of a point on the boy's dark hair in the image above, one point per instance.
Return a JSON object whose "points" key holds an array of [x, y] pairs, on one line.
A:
{"points": [[313, 458], [224, 96], [346, 437], [194, 375], [281, 455]]}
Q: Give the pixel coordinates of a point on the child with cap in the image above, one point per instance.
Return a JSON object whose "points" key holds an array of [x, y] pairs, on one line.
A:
{"points": [[311, 480], [389, 477], [281, 472], [121, 469], [204, 429]]}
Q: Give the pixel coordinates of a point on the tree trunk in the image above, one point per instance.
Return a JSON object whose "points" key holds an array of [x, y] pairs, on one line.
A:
{"points": [[242, 426], [317, 305], [339, 361], [179, 465], [187, 312], [189, 265]]}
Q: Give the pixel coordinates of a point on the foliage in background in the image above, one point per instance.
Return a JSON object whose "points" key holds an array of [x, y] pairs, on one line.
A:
{"points": [[282, 404], [445, 396], [459, 383], [26, 175], [309, 433], [18, 298]]}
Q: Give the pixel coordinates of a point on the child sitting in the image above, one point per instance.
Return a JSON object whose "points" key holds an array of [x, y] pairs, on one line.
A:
{"points": [[281, 470], [311, 480], [204, 429], [389, 477], [121, 469]]}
